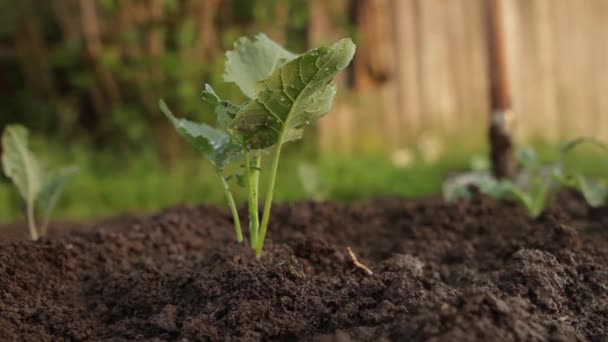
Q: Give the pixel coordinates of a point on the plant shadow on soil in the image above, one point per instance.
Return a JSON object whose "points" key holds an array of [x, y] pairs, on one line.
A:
{"points": [[480, 270]]}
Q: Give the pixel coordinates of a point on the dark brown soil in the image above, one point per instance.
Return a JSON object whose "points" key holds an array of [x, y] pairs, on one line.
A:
{"points": [[479, 271]]}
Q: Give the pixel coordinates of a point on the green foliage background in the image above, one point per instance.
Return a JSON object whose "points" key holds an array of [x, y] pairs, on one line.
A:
{"points": [[59, 100], [130, 159]]}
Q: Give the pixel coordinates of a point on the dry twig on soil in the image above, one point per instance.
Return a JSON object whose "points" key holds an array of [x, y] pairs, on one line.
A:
{"points": [[357, 263]]}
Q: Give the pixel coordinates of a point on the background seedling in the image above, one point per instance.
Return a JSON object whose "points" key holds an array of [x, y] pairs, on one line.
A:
{"points": [[531, 187], [36, 185], [594, 191], [535, 181]]}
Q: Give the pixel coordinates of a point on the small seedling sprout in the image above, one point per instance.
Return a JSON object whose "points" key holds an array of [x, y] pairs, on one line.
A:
{"points": [[36, 185], [286, 93], [531, 189], [594, 191], [535, 182]]}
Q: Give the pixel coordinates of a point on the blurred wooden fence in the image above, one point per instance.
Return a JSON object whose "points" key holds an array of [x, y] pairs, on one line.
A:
{"points": [[421, 67]]}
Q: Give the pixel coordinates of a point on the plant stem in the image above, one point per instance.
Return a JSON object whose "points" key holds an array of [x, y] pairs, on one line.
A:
{"points": [[253, 177], [44, 227], [269, 193], [31, 220], [45, 224], [235, 214]]}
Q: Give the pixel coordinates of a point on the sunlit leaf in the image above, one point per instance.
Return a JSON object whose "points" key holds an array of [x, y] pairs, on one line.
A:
{"points": [[528, 158], [594, 192], [225, 111], [292, 97], [52, 189], [215, 145], [19, 164], [254, 60], [570, 145]]}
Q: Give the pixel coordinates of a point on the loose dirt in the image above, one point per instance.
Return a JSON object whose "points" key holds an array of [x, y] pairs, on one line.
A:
{"points": [[477, 271]]}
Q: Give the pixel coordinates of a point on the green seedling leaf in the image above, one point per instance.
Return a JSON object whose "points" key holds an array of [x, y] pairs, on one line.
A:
{"points": [[52, 191], [533, 201], [594, 192], [210, 95], [497, 189], [527, 158], [570, 145], [539, 198], [459, 186], [19, 164], [252, 61], [533, 198], [238, 178], [215, 145], [535, 183], [287, 92], [224, 110], [292, 97], [479, 163]]}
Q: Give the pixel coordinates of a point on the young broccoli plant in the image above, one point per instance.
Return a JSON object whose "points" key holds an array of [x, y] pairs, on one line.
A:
{"points": [[535, 182], [286, 92], [215, 145], [594, 191], [36, 185], [530, 188]]}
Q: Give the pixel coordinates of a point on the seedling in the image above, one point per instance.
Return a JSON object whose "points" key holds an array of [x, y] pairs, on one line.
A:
{"points": [[594, 191], [530, 189], [572, 144], [286, 92], [535, 182], [36, 185]]}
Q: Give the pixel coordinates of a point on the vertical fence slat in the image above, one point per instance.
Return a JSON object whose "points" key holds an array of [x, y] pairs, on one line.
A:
{"points": [[407, 67], [556, 53]]}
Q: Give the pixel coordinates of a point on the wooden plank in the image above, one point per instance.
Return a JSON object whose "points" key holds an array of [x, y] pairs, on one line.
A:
{"points": [[407, 68], [436, 93]]}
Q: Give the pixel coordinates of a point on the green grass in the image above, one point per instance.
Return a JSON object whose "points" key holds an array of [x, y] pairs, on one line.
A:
{"points": [[108, 185]]}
